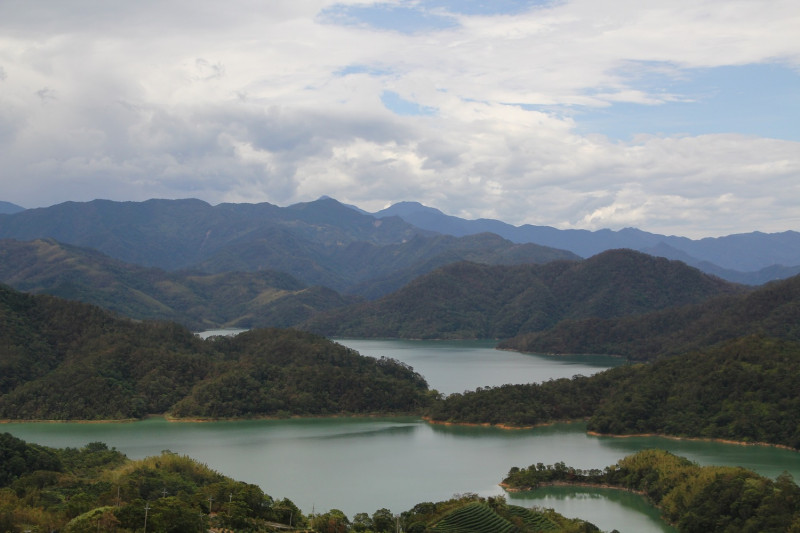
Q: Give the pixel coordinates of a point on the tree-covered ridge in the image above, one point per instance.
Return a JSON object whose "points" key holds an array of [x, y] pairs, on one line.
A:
{"points": [[744, 390], [468, 300], [195, 299], [70, 361], [772, 310], [696, 499]]}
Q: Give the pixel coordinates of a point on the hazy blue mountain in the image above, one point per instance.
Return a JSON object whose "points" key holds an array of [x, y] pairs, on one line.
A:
{"points": [[7, 208], [175, 234], [746, 258], [321, 243]]}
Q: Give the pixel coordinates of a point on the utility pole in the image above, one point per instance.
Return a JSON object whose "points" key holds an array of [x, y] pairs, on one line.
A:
{"points": [[146, 508]]}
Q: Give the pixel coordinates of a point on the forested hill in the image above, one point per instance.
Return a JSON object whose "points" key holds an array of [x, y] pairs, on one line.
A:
{"points": [[743, 390], [468, 300], [773, 310], [195, 299], [66, 360]]}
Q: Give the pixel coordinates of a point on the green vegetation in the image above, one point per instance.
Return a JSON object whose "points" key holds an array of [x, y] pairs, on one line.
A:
{"points": [[96, 488], [70, 361], [469, 300], [195, 299], [495, 516], [744, 390], [694, 498], [772, 310]]}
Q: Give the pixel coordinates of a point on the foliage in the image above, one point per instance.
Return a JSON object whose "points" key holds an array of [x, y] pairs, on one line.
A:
{"points": [[694, 498], [772, 310], [96, 488], [65, 360], [470, 300], [744, 390], [196, 299]]}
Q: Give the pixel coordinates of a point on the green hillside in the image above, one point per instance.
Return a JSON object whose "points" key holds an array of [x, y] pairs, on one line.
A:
{"points": [[744, 390], [196, 299], [469, 300], [697, 499], [773, 310], [66, 360]]}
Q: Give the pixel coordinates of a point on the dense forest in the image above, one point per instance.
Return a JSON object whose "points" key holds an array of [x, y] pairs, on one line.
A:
{"points": [[743, 390], [696, 499], [772, 310], [94, 488], [469, 300], [65, 360]]}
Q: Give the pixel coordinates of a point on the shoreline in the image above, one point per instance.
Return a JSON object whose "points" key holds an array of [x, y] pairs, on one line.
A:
{"points": [[499, 426], [427, 420], [170, 419], [697, 439], [612, 435], [506, 487]]}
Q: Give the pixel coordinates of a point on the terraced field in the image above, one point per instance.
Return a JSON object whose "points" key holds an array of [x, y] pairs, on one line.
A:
{"points": [[478, 517]]}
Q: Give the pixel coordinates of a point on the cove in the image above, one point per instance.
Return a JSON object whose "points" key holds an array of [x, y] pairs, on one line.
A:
{"points": [[456, 366], [364, 464]]}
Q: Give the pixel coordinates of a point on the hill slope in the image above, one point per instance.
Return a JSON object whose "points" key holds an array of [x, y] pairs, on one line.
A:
{"points": [[195, 299], [773, 310], [742, 390], [65, 360], [468, 300]]}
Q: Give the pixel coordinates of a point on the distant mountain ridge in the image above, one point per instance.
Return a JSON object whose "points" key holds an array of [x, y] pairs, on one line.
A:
{"points": [[752, 258], [9, 209], [320, 243]]}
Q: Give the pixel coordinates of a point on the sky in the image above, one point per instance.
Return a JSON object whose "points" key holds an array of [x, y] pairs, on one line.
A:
{"points": [[678, 117]]}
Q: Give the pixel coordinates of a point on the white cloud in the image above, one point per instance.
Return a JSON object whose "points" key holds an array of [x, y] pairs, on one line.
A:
{"points": [[271, 102]]}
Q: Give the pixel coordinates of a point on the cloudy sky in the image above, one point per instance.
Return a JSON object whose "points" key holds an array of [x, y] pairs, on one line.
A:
{"points": [[678, 117]]}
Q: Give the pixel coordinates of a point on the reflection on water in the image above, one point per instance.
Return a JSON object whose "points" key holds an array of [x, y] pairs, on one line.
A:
{"points": [[456, 366], [602, 507]]}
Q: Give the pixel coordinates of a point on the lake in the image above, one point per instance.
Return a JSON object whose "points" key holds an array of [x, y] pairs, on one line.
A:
{"points": [[364, 464]]}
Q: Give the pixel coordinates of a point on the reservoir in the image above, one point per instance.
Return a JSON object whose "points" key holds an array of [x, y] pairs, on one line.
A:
{"points": [[364, 464]]}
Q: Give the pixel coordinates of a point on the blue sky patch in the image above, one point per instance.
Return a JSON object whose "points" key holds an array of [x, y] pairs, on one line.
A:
{"points": [[761, 100], [396, 104], [418, 17]]}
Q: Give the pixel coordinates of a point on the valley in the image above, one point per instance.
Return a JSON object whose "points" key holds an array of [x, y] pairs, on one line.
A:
{"points": [[101, 300]]}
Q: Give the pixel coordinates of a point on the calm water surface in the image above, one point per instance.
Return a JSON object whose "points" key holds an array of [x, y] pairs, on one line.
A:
{"points": [[456, 366], [363, 464]]}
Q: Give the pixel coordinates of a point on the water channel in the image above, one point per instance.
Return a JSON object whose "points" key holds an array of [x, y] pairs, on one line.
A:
{"points": [[364, 464]]}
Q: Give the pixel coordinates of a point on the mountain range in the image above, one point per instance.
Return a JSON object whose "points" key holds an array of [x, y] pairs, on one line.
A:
{"points": [[752, 258], [327, 238], [319, 243]]}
